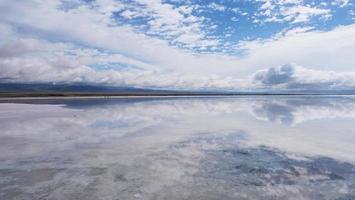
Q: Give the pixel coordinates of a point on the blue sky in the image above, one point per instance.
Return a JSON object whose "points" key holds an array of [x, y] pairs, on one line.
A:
{"points": [[193, 44], [229, 22]]}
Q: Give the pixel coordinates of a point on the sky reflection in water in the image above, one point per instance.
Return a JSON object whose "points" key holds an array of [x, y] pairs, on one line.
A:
{"points": [[178, 148]]}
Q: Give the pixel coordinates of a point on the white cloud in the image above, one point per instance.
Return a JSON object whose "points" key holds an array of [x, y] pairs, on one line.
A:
{"points": [[169, 22], [297, 77], [328, 50], [59, 62], [217, 7], [32, 60], [293, 11], [87, 35], [304, 13], [341, 3], [95, 28]]}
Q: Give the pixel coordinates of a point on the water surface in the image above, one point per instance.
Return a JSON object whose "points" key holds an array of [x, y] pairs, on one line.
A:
{"points": [[297, 147]]}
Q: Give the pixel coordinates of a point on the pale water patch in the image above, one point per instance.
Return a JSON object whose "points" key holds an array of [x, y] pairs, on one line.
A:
{"points": [[178, 148], [23, 111]]}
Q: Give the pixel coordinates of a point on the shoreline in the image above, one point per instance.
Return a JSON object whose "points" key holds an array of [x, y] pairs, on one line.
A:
{"points": [[9, 96]]}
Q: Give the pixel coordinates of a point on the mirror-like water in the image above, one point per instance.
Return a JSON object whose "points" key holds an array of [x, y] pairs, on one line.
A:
{"points": [[298, 147]]}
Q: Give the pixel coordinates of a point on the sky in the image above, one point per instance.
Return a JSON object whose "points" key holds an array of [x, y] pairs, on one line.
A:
{"points": [[176, 44]]}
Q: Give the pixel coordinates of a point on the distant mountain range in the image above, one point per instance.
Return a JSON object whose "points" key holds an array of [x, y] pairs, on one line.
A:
{"points": [[45, 88]]}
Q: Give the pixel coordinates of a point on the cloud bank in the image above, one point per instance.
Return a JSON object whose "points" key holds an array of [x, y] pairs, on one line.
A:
{"points": [[292, 76]]}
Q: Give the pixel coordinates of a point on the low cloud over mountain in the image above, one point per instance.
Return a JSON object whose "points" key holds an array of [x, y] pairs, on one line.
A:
{"points": [[292, 76]]}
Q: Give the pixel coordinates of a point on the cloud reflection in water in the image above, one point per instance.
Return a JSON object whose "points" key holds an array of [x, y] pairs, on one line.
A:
{"points": [[176, 148]]}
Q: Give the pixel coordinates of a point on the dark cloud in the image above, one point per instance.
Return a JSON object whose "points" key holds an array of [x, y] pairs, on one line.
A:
{"points": [[291, 76], [275, 76]]}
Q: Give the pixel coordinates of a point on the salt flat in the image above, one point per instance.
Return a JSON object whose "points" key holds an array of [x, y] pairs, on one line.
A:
{"points": [[299, 147]]}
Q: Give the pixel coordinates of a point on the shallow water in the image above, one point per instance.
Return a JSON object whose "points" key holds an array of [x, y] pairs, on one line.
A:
{"points": [[275, 147]]}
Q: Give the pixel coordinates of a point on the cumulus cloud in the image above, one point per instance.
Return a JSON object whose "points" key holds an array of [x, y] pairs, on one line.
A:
{"points": [[175, 23], [294, 11], [320, 50], [291, 76], [341, 3], [275, 76]]}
